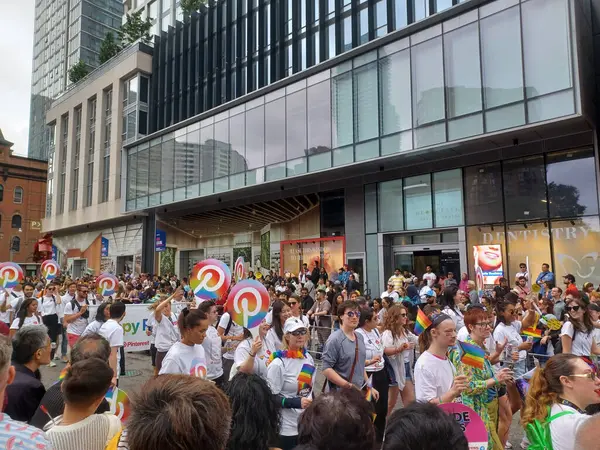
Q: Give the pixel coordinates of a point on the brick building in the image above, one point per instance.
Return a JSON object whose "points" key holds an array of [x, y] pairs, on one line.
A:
{"points": [[22, 205]]}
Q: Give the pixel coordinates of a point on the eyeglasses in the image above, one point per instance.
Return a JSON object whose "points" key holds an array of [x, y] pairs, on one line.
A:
{"points": [[572, 308], [352, 314], [84, 292], [403, 315], [591, 375], [300, 332], [293, 303], [485, 324]]}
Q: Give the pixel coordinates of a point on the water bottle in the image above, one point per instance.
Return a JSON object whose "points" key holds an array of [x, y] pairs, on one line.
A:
{"points": [[508, 351]]}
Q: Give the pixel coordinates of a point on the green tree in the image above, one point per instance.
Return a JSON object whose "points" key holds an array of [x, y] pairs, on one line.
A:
{"points": [[135, 28], [190, 6], [78, 71], [108, 48]]}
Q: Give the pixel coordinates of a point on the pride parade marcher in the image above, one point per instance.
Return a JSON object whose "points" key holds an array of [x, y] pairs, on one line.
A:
{"points": [[212, 344], [251, 355], [28, 315], [49, 305], [112, 331], [167, 333], [77, 314]]}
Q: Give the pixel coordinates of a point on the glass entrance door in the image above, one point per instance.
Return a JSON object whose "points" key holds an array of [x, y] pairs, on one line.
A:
{"points": [[416, 261]]}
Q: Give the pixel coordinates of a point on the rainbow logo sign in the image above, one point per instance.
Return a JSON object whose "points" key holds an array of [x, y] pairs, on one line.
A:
{"points": [[198, 368], [11, 274], [118, 401], [106, 284], [50, 269], [248, 303], [210, 279], [239, 269]]}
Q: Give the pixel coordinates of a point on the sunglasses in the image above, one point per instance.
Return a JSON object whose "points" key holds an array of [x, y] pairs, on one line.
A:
{"points": [[293, 303], [484, 324], [84, 292], [300, 332], [403, 315], [352, 314], [572, 308], [591, 375]]}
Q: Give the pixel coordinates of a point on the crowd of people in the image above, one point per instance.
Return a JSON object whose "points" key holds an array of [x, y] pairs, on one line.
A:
{"points": [[217, 385]]}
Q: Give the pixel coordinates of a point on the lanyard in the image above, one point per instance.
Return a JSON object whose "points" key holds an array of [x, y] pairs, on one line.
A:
{"points": [[572, 405]]}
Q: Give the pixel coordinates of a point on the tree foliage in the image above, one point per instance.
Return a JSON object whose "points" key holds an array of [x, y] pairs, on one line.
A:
{"points": [[135, 28], [109, 48], [190, 6], [78, 71]]}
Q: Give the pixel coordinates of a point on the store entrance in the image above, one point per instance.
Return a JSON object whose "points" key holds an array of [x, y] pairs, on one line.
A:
{"points": [[416, 261]]}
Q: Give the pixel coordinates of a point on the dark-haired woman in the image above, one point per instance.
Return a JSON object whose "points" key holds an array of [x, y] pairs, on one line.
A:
{"points": [[27, 316], [250, 355], [451, 302], [213, 344], [166, 331], [83, 389], [256, 420], [375, 364], [559, 393], [187, 357], [435, 377], [273, 340], [577, 333], [102, 315]]}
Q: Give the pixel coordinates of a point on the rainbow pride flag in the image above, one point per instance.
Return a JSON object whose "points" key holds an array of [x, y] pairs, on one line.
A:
{"points": [[369, 391], [472, 355], [422, 322], [532, 332], [306, 376]]}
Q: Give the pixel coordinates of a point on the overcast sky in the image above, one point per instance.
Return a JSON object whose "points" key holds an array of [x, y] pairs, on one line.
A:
{"points": [[16, 48]]}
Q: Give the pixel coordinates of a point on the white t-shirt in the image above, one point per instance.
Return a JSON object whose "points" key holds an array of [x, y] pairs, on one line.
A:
{"points": [[185, 360], [430, 278], [77, 326], [456, 315], [510, 333], [242, 352], [374, 347], [582, 344], [167, 333], [489, 343], [303, 318], [433, 377], [234, 330], [212, 347], [33, 320], [151, 323], [5, 298], [271, 342], [47, 306], [92, 328], [393, 295], [291, 378], [563, 429], [112, 331]]}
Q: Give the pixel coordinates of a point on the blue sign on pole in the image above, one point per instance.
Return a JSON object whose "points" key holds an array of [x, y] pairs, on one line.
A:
{"points": [[104, 247], [54, 253], [160, 244]]}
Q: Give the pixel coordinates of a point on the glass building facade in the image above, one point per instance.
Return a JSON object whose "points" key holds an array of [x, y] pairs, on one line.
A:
{"points": [[447, 83], [64, 33]]}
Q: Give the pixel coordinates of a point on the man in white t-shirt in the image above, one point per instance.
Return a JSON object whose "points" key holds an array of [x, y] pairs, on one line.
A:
{"points": [[112, 331], [76, 314], [429, 276], [231, 334]]}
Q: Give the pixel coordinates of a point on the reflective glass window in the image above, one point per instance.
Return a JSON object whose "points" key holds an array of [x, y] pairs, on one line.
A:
{"points": [[207, 150], [341, 110], [371, 208], [372, 269], [142, 171], [389, 200], [571, 179], [501, 58], [530, 244], [525, 188], [296, 124], [366, 105], [319, 116], [275, 131], [167, 163], [193, 156], [180, 161], [154, 169], [448, 198], [428, 82], [237, 139], [396, 112], [420, 9], [255, 137], [546, 44], [417, 202], [222, 155], [463, 75], [400, 14], [483, 194]]}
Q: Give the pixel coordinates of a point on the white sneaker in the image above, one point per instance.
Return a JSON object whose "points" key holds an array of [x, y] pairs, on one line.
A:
{"points": [[508, 445], [52, 364]]}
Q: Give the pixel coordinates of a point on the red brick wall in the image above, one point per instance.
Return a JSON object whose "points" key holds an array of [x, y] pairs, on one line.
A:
{"points": [[29, 174]]}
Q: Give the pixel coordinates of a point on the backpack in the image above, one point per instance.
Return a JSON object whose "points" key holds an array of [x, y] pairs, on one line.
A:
{"points": [[539, 433]]}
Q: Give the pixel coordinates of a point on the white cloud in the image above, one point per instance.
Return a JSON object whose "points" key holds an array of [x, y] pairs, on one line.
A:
{"points": [[16, 49]]}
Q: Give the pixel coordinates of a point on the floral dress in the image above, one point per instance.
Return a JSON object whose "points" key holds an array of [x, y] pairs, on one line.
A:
{"points": [[478, 395]]}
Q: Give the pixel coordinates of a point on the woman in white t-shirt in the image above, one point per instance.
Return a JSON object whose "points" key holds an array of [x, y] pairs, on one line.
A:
{"points": [[566, 385], [102, 315], [375, 365], [399, 347], [577, 333], [213, 344], [167, 332], [435, 377], [188, 357], [28, 315], [274, 338], [5, 307], [250, 355], [451, 302], [291, 378]]}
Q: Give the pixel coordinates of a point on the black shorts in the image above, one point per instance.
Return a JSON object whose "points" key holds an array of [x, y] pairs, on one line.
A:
{"points": [[501, 391], [153, 354]]}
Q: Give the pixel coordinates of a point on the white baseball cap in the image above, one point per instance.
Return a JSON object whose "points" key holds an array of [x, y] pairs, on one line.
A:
{"points": [[292, 324]]}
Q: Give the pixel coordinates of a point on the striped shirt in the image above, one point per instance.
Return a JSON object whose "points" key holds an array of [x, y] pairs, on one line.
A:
{"points": [[92, 433], [19, 436]]}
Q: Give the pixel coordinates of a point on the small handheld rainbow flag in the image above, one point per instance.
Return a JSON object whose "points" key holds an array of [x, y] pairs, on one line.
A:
{"points": [[422, 322], [305, 378], [369, 391], [532, 332], [472, 355]]}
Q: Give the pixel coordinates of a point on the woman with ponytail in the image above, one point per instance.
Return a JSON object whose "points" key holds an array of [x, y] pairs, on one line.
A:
{"points": [[558, 394], [435, 376]]}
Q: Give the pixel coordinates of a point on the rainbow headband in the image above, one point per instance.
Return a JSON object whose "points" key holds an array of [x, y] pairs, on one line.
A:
{"points": [[296, 354]]}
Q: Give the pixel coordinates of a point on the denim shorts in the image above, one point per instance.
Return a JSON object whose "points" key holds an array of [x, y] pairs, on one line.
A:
{"points": [[407, 374]]}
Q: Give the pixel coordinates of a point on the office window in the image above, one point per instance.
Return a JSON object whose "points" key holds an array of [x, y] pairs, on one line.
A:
{"points": [[142, 168], [347, 24], [237, 139], [363, 24], [319, 116], [18, 195], [341, 110], [275, 131], [395, 96], [296, 138], [448, 198], [222, 149], [390, 207], [525, 188], [16, 221], [428, 82], [400, 14], [366, 105], [255, 137], [154, 169], [207, 150], [483, 194], [417, 202]]}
